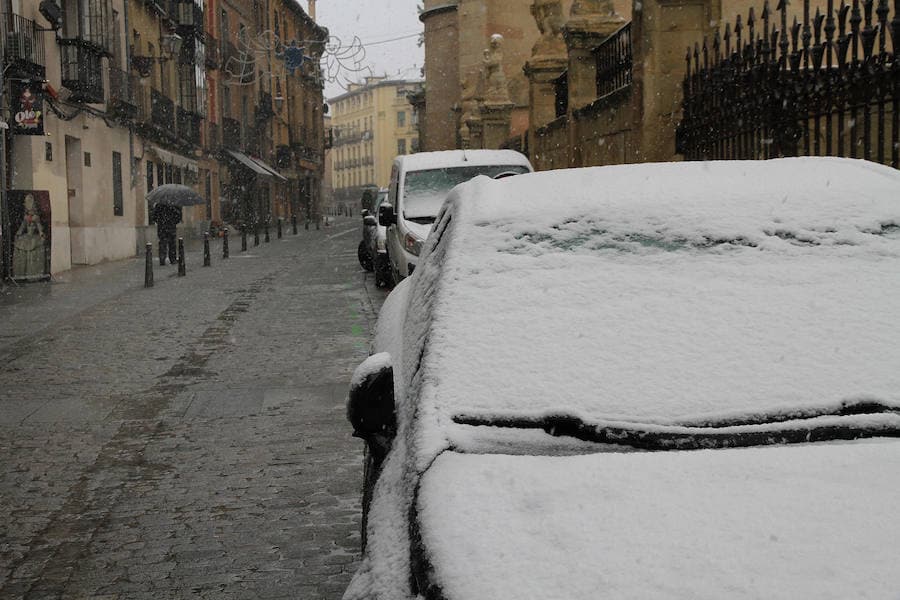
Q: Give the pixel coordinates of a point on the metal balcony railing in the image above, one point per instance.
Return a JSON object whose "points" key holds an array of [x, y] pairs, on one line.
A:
{"points": [[162, 110], [189, 124], [213, 52], [231, 133], [123, 89], [81, 70], [22, 42]]}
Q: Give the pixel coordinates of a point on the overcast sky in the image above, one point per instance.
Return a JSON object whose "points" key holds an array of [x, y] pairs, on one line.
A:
{"points": [[375, 23]]}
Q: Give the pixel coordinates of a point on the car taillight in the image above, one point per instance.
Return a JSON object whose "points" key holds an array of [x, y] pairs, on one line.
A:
{"points": [[413, 244]]}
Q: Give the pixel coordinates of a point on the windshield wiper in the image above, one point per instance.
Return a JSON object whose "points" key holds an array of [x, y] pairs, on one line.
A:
{"points": [[653, 437]]}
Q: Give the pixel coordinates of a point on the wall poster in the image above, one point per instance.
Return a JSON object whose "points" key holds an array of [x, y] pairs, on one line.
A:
{"points": [[29, 244]]}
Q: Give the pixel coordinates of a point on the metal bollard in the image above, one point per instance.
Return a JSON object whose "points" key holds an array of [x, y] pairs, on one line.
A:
{"points": [[225, 243], [243, 238], [266, 226], [206, 257], [148, 267], [256, 235], [294, 223], [279, 227], [181, 270]]}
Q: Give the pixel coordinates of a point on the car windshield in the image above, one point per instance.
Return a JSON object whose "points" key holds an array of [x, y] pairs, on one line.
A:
{"points": [[424, 191], [848, 421]]}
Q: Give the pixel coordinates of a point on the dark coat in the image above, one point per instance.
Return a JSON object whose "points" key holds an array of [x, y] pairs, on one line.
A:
{"points": [[166, 217]]}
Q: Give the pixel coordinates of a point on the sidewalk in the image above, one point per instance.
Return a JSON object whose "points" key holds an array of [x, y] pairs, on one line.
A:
{"points": [[187, 440]]}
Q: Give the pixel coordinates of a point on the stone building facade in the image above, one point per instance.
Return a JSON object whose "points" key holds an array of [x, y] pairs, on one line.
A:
{"points": [[371, 124], [133, 94]]}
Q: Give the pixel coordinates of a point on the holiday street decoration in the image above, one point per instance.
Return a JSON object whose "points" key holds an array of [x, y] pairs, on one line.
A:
{"points": [[337, 64]]}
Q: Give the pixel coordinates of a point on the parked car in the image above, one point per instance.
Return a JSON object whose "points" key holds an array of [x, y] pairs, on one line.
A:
{"points": [[420, 182], [372, 250], [645, 381]]}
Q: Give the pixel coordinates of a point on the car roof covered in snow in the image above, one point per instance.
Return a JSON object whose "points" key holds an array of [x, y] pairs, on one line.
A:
{"points": [[659, 293], [421, 161]]}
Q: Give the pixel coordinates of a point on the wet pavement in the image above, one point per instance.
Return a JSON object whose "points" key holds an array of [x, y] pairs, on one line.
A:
{"points": [[186, 440]]}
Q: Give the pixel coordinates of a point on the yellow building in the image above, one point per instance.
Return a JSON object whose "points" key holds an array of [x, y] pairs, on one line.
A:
{"points": [[371, 124]]}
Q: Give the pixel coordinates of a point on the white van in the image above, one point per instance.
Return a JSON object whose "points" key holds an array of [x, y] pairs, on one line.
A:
{"points": [[420, 182]]}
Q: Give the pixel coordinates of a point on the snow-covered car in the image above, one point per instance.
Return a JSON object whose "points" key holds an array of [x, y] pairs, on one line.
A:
{"points": [[671, 381], [418, 186], [372, 250]]}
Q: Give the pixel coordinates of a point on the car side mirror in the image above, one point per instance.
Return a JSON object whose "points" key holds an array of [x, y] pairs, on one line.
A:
{"points": [[369, 221], [364, 213], [386, 215], [370, 408]]}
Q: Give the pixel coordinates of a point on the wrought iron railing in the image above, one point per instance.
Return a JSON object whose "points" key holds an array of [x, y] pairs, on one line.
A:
{"points": [[826, 86], [231, 133], [122, 91], [213, 52], [21, 40], [81, 73], [188, 125], [162, 110], [614, 60]]}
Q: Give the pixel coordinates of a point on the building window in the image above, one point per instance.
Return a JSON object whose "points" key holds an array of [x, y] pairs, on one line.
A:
{"points": [[414, 145], [48, 151], [118, 204], [149, 176], [401, 118], [401, 146], [87, 159], [159, 174]]}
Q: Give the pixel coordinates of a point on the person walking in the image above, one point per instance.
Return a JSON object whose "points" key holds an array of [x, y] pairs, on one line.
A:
{"points": [[167, 218]]}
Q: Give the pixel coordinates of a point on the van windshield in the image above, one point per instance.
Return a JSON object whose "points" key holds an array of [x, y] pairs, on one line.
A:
{"points": [[424, 191]]}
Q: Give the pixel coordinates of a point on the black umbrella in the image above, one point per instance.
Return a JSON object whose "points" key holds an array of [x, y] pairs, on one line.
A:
{"points": [[175, 194]]}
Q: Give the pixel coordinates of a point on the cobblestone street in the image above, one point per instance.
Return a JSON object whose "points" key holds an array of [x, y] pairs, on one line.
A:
{"points": [[187, 440]]}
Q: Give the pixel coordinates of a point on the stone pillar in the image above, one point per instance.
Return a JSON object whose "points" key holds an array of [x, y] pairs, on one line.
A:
{"points": [[547, 63], [495, 117], [496, 109], [590, 22]]}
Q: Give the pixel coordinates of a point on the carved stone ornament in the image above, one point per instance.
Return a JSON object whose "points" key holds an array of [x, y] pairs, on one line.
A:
{"points": [[495, 88], [548, 14]]}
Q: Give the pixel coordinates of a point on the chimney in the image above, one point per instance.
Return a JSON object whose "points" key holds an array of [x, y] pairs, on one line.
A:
{"points": [[312, 10]]}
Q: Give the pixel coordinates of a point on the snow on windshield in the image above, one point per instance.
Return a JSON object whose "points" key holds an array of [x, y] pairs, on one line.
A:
{"points": [[424, 191]]}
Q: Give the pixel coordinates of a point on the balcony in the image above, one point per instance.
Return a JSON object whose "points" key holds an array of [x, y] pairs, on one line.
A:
{"points": [[264, 110], [213, 52], [188, 126], [23, 46], [81, 70], [231, 133], [283, 157], [188, 17], [123, 88], [162, 111]]}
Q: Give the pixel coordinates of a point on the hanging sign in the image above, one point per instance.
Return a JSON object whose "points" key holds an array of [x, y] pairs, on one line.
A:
{"points": [[27, 108]]}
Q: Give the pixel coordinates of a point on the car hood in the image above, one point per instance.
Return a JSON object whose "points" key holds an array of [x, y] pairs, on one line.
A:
{"points": [[811, 520]]}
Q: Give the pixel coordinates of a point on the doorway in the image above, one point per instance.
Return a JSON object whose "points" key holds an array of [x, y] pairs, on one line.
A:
{"points": [[74, 189]]}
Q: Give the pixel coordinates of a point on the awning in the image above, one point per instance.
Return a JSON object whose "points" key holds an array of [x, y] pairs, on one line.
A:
{"points": [[274, 173], [176, 160], [255, 165]]}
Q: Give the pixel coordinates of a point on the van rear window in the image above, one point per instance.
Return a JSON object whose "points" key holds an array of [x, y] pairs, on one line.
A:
{"points": [[424, 191]]}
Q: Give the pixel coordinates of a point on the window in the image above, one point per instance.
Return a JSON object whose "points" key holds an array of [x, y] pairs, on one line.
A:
{"points": [[87, 159], [118, 203], [401, 146], [149, 176], [401, 118], [159, 174], [414, 145]]}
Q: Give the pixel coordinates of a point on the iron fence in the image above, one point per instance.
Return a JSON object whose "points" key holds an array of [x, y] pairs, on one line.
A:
{"points": [[614, 60], [21, 40], [827, 86]]}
